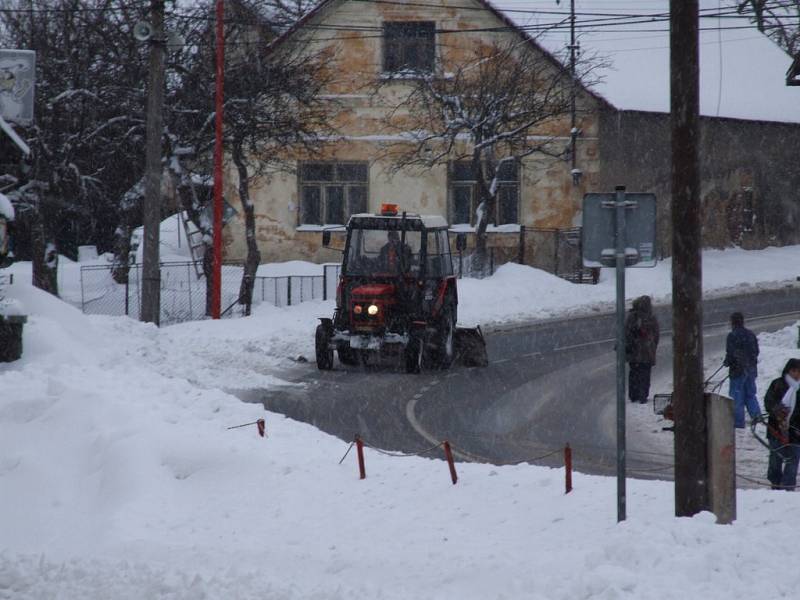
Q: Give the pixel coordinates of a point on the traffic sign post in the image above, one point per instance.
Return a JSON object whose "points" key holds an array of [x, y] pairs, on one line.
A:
{"points": [[622, 237]]}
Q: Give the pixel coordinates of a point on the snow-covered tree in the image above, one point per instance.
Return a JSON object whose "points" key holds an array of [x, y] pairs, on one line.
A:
{"points": [[273, 110], [778, 19], [500, 104], [87, 137]]}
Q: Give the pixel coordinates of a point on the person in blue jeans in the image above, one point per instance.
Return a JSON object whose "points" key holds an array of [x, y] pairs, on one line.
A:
{"points": [[741, 358]]}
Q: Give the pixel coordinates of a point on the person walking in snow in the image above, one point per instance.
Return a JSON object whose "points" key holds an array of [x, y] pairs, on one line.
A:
{"points": [[641, 341], [783, 430], [741, 358]]}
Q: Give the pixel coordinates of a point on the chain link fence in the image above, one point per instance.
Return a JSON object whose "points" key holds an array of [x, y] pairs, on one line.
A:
{"points": [[183, 293]]}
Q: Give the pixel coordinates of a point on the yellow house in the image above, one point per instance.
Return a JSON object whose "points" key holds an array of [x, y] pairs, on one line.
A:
{"points": [[376, 42]]}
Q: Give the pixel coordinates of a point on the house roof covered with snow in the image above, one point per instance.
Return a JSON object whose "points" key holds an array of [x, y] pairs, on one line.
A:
{"points": [[742, 72]]}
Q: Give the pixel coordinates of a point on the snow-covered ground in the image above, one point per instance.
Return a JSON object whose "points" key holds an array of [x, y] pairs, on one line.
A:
{"points": [[120, 479]]}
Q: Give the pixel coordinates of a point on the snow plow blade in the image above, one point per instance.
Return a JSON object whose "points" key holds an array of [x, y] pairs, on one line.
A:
{"points": [[471, 347]]}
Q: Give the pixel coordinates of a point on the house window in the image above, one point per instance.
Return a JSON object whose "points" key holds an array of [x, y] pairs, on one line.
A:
{"points": [[409, 46], [464, 196], [331, 192]]}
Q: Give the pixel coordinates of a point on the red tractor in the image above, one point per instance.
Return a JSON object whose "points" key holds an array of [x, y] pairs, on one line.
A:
{"points": [[396, 295]]}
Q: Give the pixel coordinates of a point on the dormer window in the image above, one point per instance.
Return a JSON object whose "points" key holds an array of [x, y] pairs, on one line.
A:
{"points": [[409, 47]]}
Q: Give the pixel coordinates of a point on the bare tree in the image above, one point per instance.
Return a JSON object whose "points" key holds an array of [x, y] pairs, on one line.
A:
{"points": [[505, 102], [777, 19], [273, 110]]}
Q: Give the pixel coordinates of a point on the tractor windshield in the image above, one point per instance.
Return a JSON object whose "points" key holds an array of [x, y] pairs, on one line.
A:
{"points": [[380, 252]]}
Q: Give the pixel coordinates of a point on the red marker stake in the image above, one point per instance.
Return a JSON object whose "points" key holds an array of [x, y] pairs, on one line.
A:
{"points": [[450, 462]]}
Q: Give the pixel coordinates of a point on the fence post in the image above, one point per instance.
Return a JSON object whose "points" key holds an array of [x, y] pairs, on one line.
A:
{"points": [[491, 260], [289, 290], [189, 266], [324, 282], [127, 292], [83, 301], [555, 251], [521, 257]]}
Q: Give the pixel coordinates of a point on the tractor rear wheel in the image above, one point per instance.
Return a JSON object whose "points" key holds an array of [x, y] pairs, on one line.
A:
{"points": [[445, 336], [324, 353]]}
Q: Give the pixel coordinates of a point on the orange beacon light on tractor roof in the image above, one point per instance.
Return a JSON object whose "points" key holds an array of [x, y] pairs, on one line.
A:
{"points": [[388, 210]]}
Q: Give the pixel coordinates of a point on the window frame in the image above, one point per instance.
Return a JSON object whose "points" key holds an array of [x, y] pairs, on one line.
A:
{"points": [[401, 69], [472, 185], [322, 186]]}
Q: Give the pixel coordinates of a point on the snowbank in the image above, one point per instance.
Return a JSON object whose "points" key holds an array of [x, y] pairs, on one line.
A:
{"points": [[120, 479], [520, 293], [172, 240]]}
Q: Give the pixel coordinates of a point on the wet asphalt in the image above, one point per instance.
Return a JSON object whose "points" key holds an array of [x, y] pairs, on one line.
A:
{"points": [[547, 384]]}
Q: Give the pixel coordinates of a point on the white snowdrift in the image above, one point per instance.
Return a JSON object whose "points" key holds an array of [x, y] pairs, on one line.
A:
{"points": [[120, 480], [519, 293]]}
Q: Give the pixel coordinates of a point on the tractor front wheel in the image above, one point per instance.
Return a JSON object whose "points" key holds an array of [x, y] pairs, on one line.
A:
{"points": [[348, 356], [322, 343], [413, 354]]}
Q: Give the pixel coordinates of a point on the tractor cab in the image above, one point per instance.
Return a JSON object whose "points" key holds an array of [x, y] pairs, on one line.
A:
{"points": [[397, 293]]}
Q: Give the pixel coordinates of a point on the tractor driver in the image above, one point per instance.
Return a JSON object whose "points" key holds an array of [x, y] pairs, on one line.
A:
{"points": [[394, 254]]}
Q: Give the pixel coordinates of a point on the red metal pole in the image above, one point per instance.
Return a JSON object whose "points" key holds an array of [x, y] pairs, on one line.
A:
{"points": [[568, 468], [216, 269], [362, 471], [450, 462]]}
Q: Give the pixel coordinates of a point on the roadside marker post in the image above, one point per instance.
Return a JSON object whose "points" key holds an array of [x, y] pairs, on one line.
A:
{"points": [[448, 452], [619, 230], [362, 471]]}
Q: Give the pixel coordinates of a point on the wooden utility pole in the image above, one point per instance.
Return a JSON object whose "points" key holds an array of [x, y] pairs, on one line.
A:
{"points": [[216, 271], [691, 463], [151, 271]]}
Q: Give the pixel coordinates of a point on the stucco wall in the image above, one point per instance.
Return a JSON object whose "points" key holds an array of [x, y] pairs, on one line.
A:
{"points": [[745, 165], [548, 197]]}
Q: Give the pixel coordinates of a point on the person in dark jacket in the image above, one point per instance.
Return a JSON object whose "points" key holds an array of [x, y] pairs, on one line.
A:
{"points": [[783, 428], [641, 341], [741, 358]]}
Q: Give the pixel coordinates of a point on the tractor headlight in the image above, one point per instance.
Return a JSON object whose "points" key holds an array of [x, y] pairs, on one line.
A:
{"points": [[358, 309], [372, 310]]}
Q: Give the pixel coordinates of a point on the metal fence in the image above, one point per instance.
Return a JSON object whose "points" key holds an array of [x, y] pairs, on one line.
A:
{"points": [[557, 251], [183, 294], [287, 290]]}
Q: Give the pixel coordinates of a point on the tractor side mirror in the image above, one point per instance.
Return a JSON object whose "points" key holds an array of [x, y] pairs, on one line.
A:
{"points": [[326, 237], [461, 242]]}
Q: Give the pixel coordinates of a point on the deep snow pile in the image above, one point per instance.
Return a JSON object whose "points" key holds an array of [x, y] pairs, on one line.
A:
{"points": [[120, 480], [519, 293]]}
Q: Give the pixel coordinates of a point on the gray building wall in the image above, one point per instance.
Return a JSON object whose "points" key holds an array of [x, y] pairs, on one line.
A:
{"points": [[750, 175]]}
